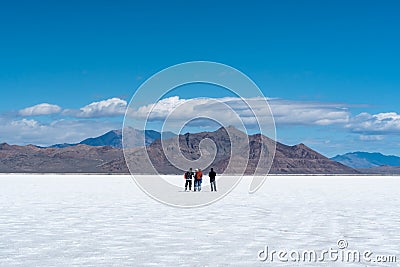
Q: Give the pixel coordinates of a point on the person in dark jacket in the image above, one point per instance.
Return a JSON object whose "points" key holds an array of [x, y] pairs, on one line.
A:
{"points": [[212, 175], [188, 179]]}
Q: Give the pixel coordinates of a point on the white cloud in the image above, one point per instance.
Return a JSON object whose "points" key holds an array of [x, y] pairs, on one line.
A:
{"points": [[284, 111], [371, 137], [161, 109], [376, 124], [40, 109], [105, 108], [308, 113], [25, 123]]}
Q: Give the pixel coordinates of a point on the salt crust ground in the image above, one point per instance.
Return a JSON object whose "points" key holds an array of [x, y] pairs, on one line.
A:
{"points": [[103, 220]]}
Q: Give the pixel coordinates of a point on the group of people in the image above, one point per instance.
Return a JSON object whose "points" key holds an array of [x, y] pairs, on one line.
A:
{"points": [[197, 176]]}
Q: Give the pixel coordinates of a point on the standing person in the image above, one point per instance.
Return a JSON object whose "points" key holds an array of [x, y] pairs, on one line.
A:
{"points": [[212, 175], [188, 179], [195, 180], [199, 179]]}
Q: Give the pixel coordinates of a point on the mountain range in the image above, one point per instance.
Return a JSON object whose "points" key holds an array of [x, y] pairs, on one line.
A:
{"points": [[104, 155], [364, 162]]}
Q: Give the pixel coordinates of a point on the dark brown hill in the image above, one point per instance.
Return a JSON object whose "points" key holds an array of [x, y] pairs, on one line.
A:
{"points": [[74, 159], [298, 159]]}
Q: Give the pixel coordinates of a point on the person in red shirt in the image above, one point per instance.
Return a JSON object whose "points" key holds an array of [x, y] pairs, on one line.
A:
{"points": [[198, 177]]}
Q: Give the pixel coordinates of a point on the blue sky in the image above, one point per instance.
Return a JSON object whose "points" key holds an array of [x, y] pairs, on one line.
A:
{"points": [[73, 53]]}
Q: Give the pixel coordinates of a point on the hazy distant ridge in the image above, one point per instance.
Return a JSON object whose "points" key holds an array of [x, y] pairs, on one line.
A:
{"points": [[367, 160]]}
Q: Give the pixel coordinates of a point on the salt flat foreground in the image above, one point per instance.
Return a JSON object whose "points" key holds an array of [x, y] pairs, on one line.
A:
{"points": [[64, 220]]}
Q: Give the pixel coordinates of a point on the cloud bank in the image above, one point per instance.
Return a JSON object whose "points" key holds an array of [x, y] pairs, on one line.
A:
{"points": [[381, 123], [285, 112], [93, 119], [28, 131], [88, 121]]}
